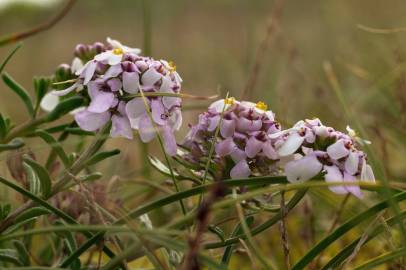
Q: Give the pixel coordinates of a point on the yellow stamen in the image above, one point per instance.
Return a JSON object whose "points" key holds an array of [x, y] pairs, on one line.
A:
{"points": [[118, 51], [172, 66], [229, 101], [261, 105]]}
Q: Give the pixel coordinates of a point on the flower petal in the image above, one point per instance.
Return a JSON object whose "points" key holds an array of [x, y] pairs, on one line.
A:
{"points": [[169, 102], [302, 169], [253, 147], [49, 102], [150, 77], [158, 112], [334, 175], [351, 163], [91, 121], [101, 102], [65, 91], [89, 72], [244, 124], [227, 127], [169, 141], [240, 170], [338, 150], [114, 84], [146, 129], [225, 147], [113, 71], [213, 122], [292, 143], [269, 151], [355, 190], [131, 82], [121, 127], [135, 108], [237, 154], [175, 120]]}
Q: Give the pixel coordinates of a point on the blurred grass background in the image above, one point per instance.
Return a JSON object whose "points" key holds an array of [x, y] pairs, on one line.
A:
{"points": [[214, 43]]}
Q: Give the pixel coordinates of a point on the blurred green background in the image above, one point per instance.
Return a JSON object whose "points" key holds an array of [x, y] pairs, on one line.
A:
{"points": [[214, 44]]}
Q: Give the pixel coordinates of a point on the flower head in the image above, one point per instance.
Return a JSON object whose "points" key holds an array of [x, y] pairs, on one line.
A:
{"points": [[243, 139], [316, 148], [114, 79]]}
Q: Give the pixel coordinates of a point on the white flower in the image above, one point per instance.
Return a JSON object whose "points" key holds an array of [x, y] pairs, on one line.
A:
{"points": [[114, 56]]}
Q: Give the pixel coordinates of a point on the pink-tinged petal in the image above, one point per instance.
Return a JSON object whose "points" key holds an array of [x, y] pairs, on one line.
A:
{"points": [[121, 108], [101, 102], [310, 137], [225, 147], [240, 170], [94, 88], [227, 127], [290, 146], [150, 77], [158, 112], [253, 147], [146, 129], [89, 72], [114, 84], [169, 141], [65, 91], [113, 71], [244, 125], [169, 102], [269, 151], [135, 108], [175, 121], [237, 154], [166, 85], [355, 190], [121, 127], [90, 121], [352, 162], [338, 150], [131, 82], [333, 174], [213, 122], [302, 169], [49, 102]]}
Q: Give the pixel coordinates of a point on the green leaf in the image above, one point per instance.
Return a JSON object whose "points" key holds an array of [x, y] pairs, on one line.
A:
{"points": [[31, 213], [101, 156], [70, 244], [344, 228], [79, 131], [4, 211], [20, 91], [10, 255], [48, 206], [237, 231], [162, 168], [44, 178], [41, 86], [64, 107], [390, 256], [23, 254], [5, 61], [217, 231], [3, 127], [55, 145], [14, 144], [349, 249], [32, 179]]}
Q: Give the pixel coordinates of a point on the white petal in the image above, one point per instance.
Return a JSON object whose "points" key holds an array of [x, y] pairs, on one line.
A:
{"points": [[49, 102], [65, 91], [292, 143], [352, 162], [135, 108], [302, 169], [150, 77], [338, 150], [334, 175], [77, 64]]}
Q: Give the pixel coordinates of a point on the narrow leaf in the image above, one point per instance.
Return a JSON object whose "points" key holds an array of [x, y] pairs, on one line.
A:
{"points": [[46, 183], [23, 254], [64, 107], [101, 156], [3, 127], [5, 61], [31, 213], [14, 144], [10, 255], [55, 145], [390, 256], [20, 91]]}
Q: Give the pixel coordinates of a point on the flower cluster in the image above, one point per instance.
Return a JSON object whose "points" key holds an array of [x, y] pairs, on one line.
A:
{"points": [[319, 149], [114, 78], [244, 129]]}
